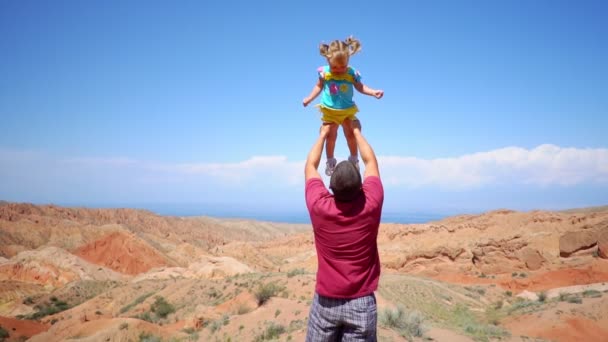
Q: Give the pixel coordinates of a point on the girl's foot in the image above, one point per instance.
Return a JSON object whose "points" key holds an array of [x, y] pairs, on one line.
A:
{"points": [[330, 166], [354, 160]]}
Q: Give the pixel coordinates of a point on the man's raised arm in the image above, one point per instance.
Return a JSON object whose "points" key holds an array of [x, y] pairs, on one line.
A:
{"points": [[314, 156]]}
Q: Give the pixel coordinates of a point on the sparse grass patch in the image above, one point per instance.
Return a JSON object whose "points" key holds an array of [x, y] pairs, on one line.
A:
{"points": [[524, 305], [192, 334], [295, 272], [124, 326], [47, 309], [146, 316], [466, 320], [213, 293], [136, 302], [242, 308], [218, 324], [407, 323], [592, 293], [266, 291], [147, 337], [273, 331], [297, 324], [478, 289], [570, 298], [277, 313]]}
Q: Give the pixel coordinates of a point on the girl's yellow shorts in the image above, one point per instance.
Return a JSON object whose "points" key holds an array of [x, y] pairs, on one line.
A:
{"points": [[337, 116]]}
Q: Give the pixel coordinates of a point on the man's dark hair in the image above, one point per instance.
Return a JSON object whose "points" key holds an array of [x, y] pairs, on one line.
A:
{"points": [[345, 182]]}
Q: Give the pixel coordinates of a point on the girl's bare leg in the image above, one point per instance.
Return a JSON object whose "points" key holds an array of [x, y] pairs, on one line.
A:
{"points": [[330, 142], [350, 140], [330, 146]]}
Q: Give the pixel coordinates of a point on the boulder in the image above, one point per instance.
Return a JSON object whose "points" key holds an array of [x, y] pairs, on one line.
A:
{"points": [[602, 244], [532, 258], [572, 242]]}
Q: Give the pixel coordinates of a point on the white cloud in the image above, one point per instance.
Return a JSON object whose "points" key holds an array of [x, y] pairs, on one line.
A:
{"points": [[544, 165], [275, 169]]}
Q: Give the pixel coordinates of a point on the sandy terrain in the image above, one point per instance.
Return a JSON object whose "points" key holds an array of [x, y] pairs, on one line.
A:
{"points": [[120, 274]]}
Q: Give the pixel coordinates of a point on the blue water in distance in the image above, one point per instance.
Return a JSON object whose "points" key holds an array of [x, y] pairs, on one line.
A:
{"points": [[237, 212], [286, 216]]}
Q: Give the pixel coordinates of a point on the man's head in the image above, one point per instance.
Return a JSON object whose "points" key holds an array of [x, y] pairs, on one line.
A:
{"points": [[345, 182]]}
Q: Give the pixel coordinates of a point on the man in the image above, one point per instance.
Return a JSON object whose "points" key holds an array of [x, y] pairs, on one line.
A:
{"points": [[345, 227]]}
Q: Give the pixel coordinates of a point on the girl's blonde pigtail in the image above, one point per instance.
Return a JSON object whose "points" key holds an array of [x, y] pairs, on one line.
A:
{"points": [[324, 50], [354, 45]]}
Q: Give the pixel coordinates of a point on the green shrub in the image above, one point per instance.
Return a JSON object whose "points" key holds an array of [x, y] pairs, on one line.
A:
{"points": [[3, 333], [147, 337], [161, 308], [146, 316], [218, 324], [295, 272], [272, 332], [266, 291], [542, 296], [406, 322], [47, 309], [522, 303], [592, 293], [468, 322], [242, 309]]}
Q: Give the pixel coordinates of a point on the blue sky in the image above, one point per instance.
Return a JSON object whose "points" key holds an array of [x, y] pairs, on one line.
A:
{"points": [[488, 104]]}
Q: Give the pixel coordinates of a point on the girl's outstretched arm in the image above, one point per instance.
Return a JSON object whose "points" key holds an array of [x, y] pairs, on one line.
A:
{"points": [[363, 89], [316, 90]]}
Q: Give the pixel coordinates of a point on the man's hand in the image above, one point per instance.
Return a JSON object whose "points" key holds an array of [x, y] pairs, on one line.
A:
{"points": [[325, 129], [378, 93], [353, 124], [306, 101], [314, 156]]}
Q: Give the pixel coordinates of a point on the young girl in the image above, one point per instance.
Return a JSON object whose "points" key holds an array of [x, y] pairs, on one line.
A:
{"points": [[336, 82]]}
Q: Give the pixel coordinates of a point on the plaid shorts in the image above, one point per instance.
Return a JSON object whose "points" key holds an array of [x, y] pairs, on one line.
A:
{"points": [[333, 319]]}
